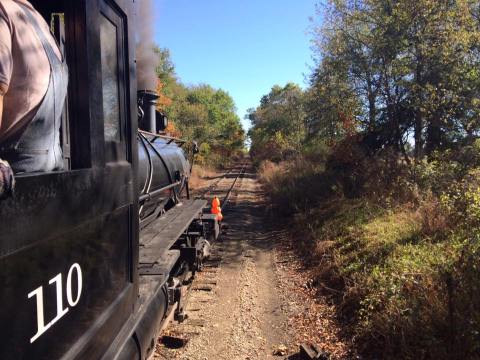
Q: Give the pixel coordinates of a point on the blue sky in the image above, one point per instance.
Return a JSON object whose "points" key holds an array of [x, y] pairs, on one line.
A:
{"points": [[242, 46]]}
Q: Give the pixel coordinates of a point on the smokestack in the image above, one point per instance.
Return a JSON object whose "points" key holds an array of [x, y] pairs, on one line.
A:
{"points": [[147, 100], [147, 60]]}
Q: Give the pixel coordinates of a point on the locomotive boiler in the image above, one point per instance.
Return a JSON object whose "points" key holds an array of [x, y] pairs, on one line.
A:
{"points": [[163, 165], [97, 258]]}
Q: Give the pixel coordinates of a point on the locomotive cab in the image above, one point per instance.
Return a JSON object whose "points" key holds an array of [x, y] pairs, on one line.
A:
{"points": [[96, 258], [69, 239]]}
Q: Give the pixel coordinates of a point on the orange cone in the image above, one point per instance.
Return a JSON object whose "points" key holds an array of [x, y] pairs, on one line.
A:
{"points": [[215, 202], [216, 209]]}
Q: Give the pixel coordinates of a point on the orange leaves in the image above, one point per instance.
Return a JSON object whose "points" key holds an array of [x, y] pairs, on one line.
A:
{"points": [[172, 130], [164, 101], [348, 123]]}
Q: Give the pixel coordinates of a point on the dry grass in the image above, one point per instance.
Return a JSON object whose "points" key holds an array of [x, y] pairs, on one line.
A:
{"points": [[201, 177], [269, 170], [434, 217]]}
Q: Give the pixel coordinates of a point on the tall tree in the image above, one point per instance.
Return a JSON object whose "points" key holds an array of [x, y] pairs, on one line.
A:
{"points": [[278, 123], [411, 65]]}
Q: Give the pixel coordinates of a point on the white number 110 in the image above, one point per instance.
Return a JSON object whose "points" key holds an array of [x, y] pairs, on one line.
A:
{"points": [[61, 311]]}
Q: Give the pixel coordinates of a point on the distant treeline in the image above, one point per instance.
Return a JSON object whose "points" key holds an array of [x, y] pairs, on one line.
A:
{"points": [[199, 113], [377, 164]]}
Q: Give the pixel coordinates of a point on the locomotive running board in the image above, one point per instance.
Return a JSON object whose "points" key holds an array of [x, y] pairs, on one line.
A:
{"points": [[160, 235]]}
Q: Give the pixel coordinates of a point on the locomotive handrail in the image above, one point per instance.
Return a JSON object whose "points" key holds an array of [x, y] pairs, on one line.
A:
{"points": [[166, 137], [148, 196]]}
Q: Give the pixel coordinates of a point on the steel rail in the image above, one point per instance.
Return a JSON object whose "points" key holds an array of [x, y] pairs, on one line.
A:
{"points": [[212, 187], [241, 174]]}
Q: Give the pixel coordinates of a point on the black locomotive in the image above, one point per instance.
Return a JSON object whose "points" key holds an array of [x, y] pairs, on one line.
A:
{"points": [[94, 259]]}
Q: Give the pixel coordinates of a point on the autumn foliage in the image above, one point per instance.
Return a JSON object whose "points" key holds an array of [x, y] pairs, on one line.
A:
{"points": [[199, 113]]}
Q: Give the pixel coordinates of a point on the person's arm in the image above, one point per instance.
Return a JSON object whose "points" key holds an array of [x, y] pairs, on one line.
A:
{"points": [[6, 59], [3, 91], [7, 180]]}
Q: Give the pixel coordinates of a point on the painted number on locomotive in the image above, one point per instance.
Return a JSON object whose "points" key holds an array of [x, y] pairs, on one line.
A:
{"points": [[72, 299]]}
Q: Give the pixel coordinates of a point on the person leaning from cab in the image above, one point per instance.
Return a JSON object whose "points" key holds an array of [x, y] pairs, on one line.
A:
{"points": [[33, 88]]}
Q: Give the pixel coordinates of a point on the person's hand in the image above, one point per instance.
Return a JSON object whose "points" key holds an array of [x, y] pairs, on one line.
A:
{"points": [[7, 180]]}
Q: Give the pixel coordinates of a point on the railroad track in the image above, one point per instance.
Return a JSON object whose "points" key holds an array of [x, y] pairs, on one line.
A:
{"points": [[207, 282], [240, 175], [218, 187]]}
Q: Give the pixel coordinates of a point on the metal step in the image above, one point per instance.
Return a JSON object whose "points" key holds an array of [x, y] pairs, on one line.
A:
{"points": [[162, 266]]}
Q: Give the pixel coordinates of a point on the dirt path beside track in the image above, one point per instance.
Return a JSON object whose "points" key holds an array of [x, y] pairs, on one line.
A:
{"points": [[244, 302]]}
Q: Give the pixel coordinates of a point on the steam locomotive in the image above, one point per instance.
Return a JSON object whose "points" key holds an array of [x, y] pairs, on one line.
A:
{"points": [[94, 260]]}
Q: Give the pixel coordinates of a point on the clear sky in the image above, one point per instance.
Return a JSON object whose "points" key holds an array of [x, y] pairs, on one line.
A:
{"points": [[242, 46]]}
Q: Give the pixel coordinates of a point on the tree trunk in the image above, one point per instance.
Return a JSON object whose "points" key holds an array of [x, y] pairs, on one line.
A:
{"points": [[418, 134], [372, 110], [418, 128], [434, 136]]}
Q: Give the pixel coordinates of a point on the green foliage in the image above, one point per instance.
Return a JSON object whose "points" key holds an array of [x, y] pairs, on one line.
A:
{"points": [[331, 104], [200, 113], [278, 124], [165, 69], [424, 286], [461, 200], [398, 68], [207, 115], [403, 73]]}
